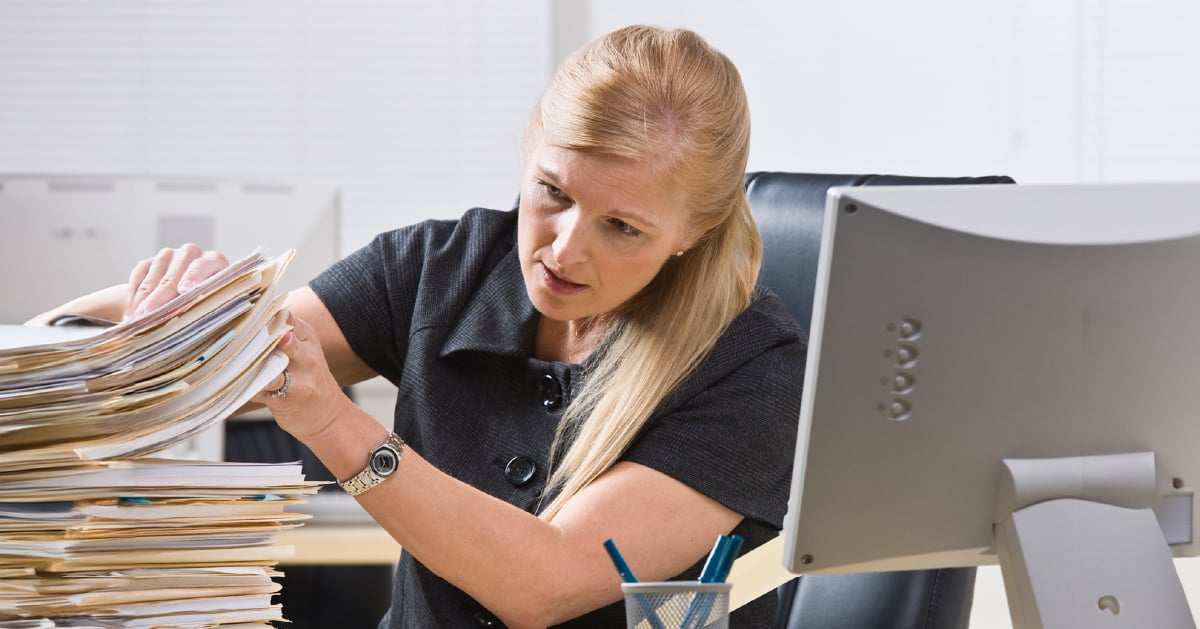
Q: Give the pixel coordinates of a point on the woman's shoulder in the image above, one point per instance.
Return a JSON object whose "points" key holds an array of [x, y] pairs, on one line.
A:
{"points": [[474, 225], [449, 253], [767, 316], [764, 337], [455, 248]]}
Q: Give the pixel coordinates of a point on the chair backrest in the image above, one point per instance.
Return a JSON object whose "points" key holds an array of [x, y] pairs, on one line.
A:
{"points": [[789, 209]]}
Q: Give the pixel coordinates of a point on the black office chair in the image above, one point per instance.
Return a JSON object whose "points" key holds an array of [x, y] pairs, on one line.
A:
{"points": [[789, 210]]}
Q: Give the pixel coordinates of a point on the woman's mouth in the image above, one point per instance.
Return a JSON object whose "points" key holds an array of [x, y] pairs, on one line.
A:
{"points": [[559, 284]]}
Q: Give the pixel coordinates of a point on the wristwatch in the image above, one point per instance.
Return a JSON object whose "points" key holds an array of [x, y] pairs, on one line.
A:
{"points": [[383, 463]]}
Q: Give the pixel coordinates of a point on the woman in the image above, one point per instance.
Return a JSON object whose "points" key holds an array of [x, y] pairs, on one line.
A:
{"points": [[596, 364]]}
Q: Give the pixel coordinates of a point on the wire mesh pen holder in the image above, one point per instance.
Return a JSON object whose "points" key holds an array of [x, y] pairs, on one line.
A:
{"points": [[676, 605]]}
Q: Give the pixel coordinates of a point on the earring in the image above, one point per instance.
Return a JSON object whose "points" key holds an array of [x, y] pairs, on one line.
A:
{"points": [[679, 254]]}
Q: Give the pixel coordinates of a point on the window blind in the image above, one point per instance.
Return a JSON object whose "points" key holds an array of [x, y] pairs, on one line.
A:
{"points": [[1139, 90], [415, 109]]}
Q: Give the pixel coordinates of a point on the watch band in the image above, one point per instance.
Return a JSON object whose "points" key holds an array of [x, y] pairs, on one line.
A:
{"points": [[382, 464]]}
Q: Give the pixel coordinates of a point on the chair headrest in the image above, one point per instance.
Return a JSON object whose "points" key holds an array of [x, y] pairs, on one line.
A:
{"points": [[789, 209]]}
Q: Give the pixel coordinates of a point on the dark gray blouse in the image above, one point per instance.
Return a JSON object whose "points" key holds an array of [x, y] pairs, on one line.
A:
{"points": [[440, 310]]}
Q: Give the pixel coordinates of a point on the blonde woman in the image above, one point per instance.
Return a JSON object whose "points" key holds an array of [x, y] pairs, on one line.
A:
{"points": [[595, 364]]}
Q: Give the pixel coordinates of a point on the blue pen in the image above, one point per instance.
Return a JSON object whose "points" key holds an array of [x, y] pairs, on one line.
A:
{"points": [[713, 563], [619, 562], [627, 576], [731, 551], [716, 568]]}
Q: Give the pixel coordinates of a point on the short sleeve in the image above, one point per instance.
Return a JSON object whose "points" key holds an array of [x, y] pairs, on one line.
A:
{"points": [[408, 278], [733, 438], [371, 295]]}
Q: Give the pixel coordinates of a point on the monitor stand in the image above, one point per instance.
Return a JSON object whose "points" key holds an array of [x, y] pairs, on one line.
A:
{"points": [[1080, 545]]}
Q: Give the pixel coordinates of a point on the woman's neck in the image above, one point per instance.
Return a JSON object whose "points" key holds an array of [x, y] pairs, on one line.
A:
{"points": [[567, 341]]}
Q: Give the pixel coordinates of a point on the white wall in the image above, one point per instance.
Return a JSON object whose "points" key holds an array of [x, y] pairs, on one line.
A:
{"points": [[1095, 90], [935, 87], [415, 108]]}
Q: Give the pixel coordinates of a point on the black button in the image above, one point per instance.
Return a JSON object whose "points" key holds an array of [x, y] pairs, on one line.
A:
{"points": [[551, 392], [485, 619], [520, 470]]}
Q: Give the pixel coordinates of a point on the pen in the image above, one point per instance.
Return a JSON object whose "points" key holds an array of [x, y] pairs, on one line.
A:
{"points": [[716, 568], [619, 562], [730, 553], [713, 564], [627, 576]]}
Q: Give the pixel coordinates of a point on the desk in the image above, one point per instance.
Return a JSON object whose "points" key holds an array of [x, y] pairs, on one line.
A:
{"points": [[761, 569], [340, 545]]}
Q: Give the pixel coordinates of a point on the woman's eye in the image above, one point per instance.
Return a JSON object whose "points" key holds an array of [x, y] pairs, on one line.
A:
{"points": [[623, 227], [553, 191]]}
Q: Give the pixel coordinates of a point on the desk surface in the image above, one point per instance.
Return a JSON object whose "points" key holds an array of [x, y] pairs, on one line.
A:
{"points": [[370, 545], [342, 545], [753, 575]]}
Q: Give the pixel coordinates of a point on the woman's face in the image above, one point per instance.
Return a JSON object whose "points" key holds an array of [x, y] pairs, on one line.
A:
{"points": [[594, 230]]}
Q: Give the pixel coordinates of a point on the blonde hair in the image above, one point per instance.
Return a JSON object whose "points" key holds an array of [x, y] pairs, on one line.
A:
{"points": [[666, 97]]}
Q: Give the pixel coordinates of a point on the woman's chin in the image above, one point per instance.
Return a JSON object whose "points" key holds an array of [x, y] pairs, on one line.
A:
{"points": [[559, 307]]}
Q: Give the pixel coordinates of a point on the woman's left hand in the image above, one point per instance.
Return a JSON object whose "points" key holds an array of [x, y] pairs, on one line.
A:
{"points": [[313, 400]]}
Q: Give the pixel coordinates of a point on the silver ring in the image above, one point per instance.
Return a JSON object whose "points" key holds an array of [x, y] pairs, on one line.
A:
{"points": [[283, 389]]}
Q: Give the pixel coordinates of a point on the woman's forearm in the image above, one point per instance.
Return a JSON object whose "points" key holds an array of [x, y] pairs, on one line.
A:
{"points": [[475, 541], [107, 303]]}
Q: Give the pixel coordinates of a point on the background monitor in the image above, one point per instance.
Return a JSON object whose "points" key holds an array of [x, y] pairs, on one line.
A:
{"points": [[63, 236], [957, 327], [66, 235]]}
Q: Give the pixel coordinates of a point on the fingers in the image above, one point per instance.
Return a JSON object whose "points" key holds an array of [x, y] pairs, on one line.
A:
{"points": [[308, 399], [200, 269], [275, 384], [303, 357], [160, 279], [301, 330]]}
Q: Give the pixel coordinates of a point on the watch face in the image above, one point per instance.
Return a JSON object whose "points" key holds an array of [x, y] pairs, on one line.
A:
{"points": [[384, 461]]}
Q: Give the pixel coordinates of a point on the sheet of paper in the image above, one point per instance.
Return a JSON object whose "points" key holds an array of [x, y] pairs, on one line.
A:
{"points": [[14, 336]]}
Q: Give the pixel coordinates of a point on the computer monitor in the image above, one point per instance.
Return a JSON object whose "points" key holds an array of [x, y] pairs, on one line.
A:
{"points": [[63, 236], [1007, 374]]}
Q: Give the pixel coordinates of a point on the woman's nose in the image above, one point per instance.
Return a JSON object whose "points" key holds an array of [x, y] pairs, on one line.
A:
{"points": [[570, 239]]}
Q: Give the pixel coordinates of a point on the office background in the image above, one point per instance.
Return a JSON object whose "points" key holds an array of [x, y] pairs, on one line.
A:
{"points": [[416, 109]]}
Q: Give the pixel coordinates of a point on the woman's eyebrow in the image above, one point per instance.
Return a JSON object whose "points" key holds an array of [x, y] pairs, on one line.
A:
{"points": [[547, 172], [646, 219]]}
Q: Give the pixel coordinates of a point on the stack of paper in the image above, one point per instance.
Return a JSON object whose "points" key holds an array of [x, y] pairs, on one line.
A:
{"points": [[93, 533]]}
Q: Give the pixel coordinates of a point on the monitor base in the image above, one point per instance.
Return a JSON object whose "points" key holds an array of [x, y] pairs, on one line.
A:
{"points": [[1071, 562]]}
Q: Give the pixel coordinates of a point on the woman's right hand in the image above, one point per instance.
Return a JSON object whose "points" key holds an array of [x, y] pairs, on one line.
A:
{"points": [[155, 281]]}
